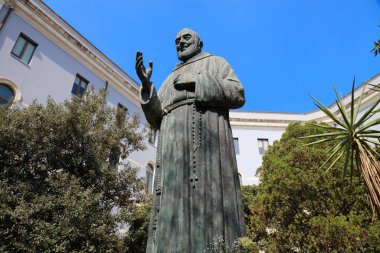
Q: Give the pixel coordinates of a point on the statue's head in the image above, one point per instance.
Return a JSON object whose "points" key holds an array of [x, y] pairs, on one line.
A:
{"points": [[188, 44]]}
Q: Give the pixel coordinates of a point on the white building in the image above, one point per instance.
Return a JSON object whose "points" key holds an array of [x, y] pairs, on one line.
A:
{"points": [[254, 131], [42, 55]]}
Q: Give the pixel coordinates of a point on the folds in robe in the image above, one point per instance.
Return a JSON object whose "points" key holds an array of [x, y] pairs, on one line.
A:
{"points": [[197, 196]]}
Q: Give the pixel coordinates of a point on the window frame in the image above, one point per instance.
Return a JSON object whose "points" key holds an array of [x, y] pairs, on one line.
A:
{"points": [[81, 79], [237, 150], [13, 98], [121, 113], [265, 148], [114, 156], [149, 184], [240, 179], [153, 136], [28, 41]]}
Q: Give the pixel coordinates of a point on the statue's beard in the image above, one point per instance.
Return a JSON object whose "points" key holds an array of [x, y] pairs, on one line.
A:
{"points": [[187, 53]]}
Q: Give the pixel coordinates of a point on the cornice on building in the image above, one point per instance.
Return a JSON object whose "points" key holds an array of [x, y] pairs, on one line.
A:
{"points": [[59, 31], [268, 119], [56, 29], [10, 3]]}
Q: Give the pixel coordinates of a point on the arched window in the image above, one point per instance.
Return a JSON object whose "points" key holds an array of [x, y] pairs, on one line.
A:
{"points": [[149, 178], [7, 95]]}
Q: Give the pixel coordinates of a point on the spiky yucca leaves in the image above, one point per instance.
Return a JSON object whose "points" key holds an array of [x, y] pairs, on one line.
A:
{"points": [[376, 48], [355, 139]]}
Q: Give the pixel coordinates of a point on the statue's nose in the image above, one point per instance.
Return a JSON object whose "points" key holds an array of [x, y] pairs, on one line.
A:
{"points": [[182, 41]]}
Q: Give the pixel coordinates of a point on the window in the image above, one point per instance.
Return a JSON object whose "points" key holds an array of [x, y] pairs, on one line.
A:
{"points": [[7, 95], [79, 86], [149, 179], [153, 136], [236, 145], [263, 145], [121, 113], [24, 48], [114, 157]]}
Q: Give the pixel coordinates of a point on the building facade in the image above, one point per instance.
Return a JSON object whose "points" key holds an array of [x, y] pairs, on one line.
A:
{"points": [[41, 55], [254, 131]]}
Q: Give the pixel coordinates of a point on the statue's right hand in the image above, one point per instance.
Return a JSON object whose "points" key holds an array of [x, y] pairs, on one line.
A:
{"points": [[143, 74]]}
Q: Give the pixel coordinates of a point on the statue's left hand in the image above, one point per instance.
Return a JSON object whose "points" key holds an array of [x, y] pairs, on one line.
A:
{"points": [[143, 74], [185, 80]]}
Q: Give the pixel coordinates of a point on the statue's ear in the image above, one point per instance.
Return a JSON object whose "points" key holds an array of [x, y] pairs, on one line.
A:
{"points": [[200, 45]]}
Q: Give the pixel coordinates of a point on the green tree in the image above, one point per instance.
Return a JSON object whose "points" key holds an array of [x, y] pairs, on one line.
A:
{"points": [[58, 190], [138, 225], [300, 208], [355, 139]]}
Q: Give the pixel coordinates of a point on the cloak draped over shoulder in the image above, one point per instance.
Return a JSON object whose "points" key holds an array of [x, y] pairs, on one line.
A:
{"points": [[197, 197]]}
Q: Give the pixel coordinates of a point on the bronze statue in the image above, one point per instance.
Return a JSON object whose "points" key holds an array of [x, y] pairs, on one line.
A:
{"points": [[197, 195]]}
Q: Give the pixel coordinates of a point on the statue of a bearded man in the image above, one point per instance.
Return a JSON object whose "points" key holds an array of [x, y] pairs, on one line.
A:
{"points": [[197, 196]]}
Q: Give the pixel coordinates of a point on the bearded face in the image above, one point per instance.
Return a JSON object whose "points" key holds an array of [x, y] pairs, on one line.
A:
{"points": [[188, 44]]}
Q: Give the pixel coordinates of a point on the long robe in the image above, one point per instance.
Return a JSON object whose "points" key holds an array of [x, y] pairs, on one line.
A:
{"points": [[197, 197]]}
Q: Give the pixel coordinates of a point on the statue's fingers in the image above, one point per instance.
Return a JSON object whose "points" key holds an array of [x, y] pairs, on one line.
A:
{"points": [[139, 59], [138, 62], [139, 65], [150, 69]]}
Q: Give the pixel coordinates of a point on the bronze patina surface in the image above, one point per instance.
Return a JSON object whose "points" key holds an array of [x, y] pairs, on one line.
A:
{"points": [[197, 195]]}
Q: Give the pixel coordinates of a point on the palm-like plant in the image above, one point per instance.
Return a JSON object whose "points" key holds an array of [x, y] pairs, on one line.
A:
{"points": [[376, 48], [356, 141]]}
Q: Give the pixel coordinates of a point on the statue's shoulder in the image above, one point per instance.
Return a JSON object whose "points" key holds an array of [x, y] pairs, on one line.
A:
{"points": [[215, 58], [208, 56], [219, 59], [218, 62]]}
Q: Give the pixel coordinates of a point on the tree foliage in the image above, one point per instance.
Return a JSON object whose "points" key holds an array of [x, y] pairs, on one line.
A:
{"points": [[58, 191], [300, 208], [355, 139], [138, 221]]}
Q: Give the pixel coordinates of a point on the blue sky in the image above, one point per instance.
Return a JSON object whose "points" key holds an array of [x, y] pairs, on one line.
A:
{"points": [[281, 50]]}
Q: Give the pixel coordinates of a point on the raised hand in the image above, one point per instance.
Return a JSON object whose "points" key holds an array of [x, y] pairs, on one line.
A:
{"points": [[143, 74]]}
